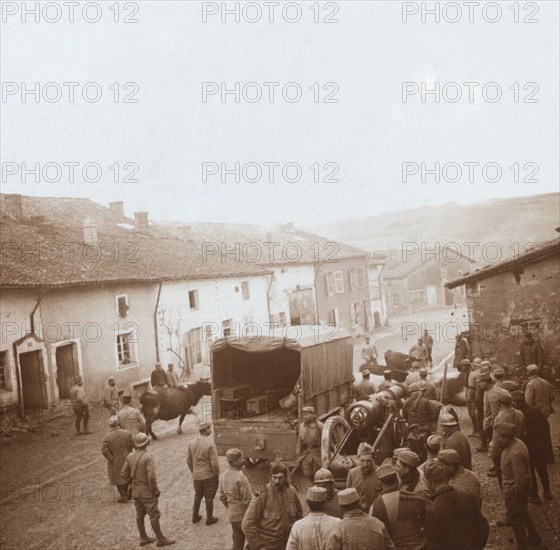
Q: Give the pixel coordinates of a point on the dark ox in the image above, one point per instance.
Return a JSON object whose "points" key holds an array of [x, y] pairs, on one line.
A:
{"points": [[170, 403]]}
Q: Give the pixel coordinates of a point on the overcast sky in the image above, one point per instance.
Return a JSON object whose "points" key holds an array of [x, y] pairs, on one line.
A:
{"points": [[368, 134]]}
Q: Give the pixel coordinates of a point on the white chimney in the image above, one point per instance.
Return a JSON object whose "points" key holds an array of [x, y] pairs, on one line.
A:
{"points": [[141, 222], [117, 207], [90, 233]]}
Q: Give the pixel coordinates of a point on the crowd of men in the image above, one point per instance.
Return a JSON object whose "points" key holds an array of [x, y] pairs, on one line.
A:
{"points": [[429, 500]]}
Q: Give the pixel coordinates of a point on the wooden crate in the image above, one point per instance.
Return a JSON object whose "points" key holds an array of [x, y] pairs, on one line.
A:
{"points": [[256, 405], [236, 392]]}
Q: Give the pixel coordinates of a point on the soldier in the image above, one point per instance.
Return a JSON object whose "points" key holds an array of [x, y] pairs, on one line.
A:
{"points": [[491, 408], [364, 388], [516, 484], [453, 438], [421, 411], [202, 460], [428, 341], [363, 477], [369, 352], [312, 530], [402, 513], [536, 434], [308, 446], [452, 517], [324, 478], [433, 446], [430, 391], [413, 376], [140, 470], [357, 530], [387, 380], [270, 516], [464, 479], [80, 405], [506, 414], [157, 378], [484, 368], [470, 395], [410, 478], [462, 350], [236, 494], [115, 448], [111, 396], [531, 352], [171, 377], [419, 352], [130, 418], [499, 377]]}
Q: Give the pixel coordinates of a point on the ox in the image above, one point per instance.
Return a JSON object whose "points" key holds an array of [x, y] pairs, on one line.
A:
{"points": [[170, 403]]}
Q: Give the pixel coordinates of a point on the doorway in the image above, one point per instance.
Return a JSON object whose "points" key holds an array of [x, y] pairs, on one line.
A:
{"points": [[66, 369], [33, 380], [431, 295]]}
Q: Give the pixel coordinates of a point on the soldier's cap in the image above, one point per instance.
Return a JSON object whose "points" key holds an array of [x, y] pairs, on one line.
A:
{"points": [[485, 362], [203, 426], [410, 458], [447, 419], [113, 421], [316, 494], [170, 365], [158, 364], [348, 496], [400, 450], [415, 364], [434, 441], [141, 440], [484, 369], [505, 398], [365, 372], [423, 372], [465, 362], [499, 372], [517, 395], [449, 456], [477, 361], [386, 471], [387, 372], [417, 386], [434, 471], [233, 454], [504, 428], [532, 368], [110, 378], [365, 449], [322, 474], [363, 366], [484, 377], [308, 410], [126, 394]]}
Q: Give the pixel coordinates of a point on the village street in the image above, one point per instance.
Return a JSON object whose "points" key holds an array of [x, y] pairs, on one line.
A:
{"points": [[55, 492]]}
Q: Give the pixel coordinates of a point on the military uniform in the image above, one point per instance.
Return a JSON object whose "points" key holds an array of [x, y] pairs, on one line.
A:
{"points": [[457, 440], [363, 389], [140, 470], [466, 481], [311, 531], [236, 494], [358, 531], [115, 448], [368, 487], [309, 447], [131, 420]]}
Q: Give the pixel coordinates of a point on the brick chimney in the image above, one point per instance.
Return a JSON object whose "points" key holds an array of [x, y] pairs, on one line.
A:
{"points": [[117, 207], [90, 233], [15, 206], [141, 222]]}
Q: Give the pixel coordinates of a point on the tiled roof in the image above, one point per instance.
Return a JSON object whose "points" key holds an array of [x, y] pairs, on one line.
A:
{"points": [[292, 243], [539, 252], [35, 255]]}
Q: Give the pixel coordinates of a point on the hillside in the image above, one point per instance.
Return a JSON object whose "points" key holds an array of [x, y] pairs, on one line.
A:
{"points": [[512, 223]]}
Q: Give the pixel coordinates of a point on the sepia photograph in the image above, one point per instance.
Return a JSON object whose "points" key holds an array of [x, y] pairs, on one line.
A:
{"points": [[280, 275]]}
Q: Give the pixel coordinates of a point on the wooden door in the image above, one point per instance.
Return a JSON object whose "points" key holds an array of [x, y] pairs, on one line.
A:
{"points": [[66, 369], [302, 307], [33, 380]]}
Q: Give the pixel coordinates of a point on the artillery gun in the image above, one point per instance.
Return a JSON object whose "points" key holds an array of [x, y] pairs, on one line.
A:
{"points": [[378, 421]]}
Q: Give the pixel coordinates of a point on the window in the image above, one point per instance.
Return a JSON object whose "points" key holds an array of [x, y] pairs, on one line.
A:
{"points": [[417, 296], [126, 348], [245, 290], [376, 288], [358, 277], [193, 299], [122, 305], [333, 317], [194, 346], [3, 370], [335, 283], [396, 301]]}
